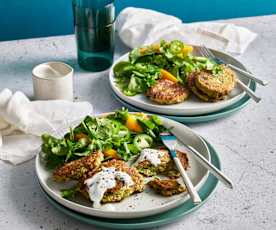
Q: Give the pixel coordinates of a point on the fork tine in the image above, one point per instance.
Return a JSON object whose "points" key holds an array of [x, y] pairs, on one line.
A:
{"points": [[203, 48], [200, 51], [209, 52], [205, 52]]}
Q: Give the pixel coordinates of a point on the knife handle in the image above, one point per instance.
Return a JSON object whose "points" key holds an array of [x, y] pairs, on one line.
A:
{"points": [[215, 171], [189, 185], [248, 75], [249, 92]]}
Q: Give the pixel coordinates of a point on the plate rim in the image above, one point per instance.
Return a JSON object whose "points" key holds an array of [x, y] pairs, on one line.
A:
{"points": [[102, 222], [169, 206], [151, 107]]}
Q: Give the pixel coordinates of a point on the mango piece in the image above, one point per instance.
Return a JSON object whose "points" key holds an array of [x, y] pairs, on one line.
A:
{"points": [[167, 75], [133, 125], [80, 135], [186, 50], [112, 153]]}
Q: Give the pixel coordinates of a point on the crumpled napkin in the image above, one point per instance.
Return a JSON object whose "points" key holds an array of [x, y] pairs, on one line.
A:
{"points": [[22, 122], [137, 27]]}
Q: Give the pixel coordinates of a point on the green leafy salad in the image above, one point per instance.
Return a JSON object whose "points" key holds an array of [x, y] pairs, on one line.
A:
{"points": [[120, 135], [171, 60]]}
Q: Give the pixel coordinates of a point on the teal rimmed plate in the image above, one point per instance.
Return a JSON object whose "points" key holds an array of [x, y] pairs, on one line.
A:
{"points": [[205, 192], [191, 107], [200, 118]]}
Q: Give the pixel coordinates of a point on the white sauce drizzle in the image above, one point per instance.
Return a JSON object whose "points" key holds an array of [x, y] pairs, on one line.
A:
{"points": [[152, 155], [104, 180]]}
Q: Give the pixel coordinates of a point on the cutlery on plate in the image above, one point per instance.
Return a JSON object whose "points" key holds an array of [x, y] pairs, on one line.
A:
{"points": [[170, 142], [207, 53], [215, 171]]}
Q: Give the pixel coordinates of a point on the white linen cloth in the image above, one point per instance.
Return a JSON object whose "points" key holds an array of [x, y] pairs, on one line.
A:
{"points": [[137, 27], [22, 122]]}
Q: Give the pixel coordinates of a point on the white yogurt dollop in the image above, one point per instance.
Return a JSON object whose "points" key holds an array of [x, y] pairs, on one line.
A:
{"points": [[104, 180], [152, 155]]}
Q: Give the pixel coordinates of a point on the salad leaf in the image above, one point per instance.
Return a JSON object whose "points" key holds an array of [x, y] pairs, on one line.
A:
{"points": [[141, 77], [99, 133], [69, 193]]}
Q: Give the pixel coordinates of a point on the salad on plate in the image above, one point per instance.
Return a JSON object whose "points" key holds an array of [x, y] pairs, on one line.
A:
{"points": [[108, 158], [168, 72]]}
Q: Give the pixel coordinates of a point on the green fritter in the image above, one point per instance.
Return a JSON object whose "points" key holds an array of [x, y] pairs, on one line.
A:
{"points": [[171, 170], [168, 92], [146, 168], [78, 169], [166, 187], [166, 167], [119, 192], [216, 86], [200, 94], [212, 88]]}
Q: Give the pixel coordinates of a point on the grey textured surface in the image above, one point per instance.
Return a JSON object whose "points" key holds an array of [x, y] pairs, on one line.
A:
{"points": [[246, 141]]}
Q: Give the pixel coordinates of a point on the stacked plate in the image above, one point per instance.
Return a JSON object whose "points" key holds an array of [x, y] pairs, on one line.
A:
{"points": [[193, 110], [142, 210]]}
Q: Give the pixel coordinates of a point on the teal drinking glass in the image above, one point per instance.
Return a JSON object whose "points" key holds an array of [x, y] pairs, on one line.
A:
{"points": [[94, 22]]}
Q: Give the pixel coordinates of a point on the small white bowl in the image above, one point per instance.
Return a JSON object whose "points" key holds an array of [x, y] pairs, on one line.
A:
{"points": [[52, 81]]}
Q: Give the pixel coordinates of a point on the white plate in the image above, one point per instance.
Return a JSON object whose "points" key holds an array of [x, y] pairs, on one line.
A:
{"points": [[140, 204], [193, 106]]}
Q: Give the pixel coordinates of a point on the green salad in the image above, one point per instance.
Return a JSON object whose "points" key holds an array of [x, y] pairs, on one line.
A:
{"points": [[120, 135], [172, 60]]}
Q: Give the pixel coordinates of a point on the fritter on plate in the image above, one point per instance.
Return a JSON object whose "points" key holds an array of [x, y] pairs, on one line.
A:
{"points": [[167, 92], [78, 169], [166, 187], [166, 167], [212, 88], [120, 191], [171, 170], [146, 168]]}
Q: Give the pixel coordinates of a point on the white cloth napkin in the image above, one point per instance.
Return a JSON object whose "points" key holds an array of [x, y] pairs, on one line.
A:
{"points": [[22, 122], [137, 27]]}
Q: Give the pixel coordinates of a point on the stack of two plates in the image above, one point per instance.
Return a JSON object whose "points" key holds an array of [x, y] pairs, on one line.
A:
{"points": [[142, 210], [193, 110]]}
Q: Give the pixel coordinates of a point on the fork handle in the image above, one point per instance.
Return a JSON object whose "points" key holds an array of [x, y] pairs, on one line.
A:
{"points": [[190, 187], [249, 92], [248, 75]]}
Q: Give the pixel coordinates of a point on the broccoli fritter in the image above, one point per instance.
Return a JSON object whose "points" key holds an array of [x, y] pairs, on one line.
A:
{"points": [[168, 92], [120, 191], [212, 88], [166, 187], [171, 170], [78, 169], [166, 167], [146, 168]]}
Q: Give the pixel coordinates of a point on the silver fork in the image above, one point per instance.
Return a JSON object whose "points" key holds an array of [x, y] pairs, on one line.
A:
{"points": [[170, 142], [207, 53]]}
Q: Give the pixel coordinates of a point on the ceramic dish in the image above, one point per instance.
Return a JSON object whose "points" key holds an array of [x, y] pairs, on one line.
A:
{"points": [[205, 192], [200, 118], [142, 204], [192, 106]]}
